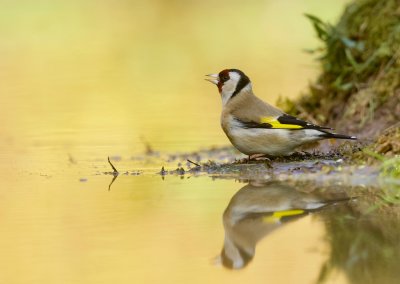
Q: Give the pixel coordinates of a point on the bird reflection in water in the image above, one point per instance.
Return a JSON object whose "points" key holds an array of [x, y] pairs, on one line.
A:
{"points": [[259, 208]]}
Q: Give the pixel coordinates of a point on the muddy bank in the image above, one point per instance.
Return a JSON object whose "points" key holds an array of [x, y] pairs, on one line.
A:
{"points": [[332, 166]]}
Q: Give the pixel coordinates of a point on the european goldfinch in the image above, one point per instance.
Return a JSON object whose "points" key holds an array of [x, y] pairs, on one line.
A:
{"points": [[260, 208], [255, 127]]}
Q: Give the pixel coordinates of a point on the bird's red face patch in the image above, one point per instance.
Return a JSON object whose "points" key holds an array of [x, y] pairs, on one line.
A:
{"points": [[223, 77]]}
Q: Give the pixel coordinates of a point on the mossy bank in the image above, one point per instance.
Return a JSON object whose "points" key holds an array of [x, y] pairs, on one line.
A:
{"points": [[358, 90]]}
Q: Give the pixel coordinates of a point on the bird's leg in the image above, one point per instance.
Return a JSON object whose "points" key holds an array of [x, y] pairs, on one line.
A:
{"points": [[261, 157], [258, 157]]}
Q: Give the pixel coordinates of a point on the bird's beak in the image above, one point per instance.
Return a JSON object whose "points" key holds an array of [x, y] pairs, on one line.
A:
{"points": [[213, 78]]}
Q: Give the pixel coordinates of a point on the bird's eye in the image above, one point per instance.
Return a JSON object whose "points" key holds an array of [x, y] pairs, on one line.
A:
{"points": [[224, 78]]}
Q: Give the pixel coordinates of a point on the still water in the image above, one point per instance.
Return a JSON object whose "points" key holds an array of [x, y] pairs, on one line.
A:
{"points": [[146, 229], [83, 80]]}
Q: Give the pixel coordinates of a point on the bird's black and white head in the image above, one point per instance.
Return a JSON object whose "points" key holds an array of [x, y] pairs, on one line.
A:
{"points": [[231, 83]]}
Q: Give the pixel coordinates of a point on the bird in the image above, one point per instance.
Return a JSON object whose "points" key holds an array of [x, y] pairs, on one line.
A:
{"points": [[262, 207], [255, 127]]}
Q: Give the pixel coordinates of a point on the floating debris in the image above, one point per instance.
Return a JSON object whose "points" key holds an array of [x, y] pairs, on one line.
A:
{"points": [[180, 171], [163, 172]]}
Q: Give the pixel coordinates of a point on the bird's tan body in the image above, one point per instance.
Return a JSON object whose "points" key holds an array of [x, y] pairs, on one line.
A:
{"points": [[274, 142]]}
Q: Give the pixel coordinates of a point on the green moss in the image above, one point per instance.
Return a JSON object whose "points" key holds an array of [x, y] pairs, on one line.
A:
{"points": [[360, 66], [389, 168], [386, 146], [386, 152]]}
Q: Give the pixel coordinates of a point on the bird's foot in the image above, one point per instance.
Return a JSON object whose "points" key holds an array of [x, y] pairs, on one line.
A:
{"points": [[264, 158], [260, 157], [255, 158]]}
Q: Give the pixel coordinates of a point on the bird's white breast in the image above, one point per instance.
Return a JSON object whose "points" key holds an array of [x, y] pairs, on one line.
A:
{"points": [[273, 142]]}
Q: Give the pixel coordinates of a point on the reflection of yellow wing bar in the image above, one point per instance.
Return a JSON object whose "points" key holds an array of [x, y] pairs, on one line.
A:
{"points": [[286, 213], [276, 124], [276, 216]]}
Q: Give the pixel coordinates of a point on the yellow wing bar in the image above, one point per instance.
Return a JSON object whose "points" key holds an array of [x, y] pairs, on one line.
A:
{"points": [[276, 216], [276, 124]]}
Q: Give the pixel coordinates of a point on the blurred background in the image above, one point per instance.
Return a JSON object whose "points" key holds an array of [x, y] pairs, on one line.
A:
{"points": [[83, 80], [101, 77]]}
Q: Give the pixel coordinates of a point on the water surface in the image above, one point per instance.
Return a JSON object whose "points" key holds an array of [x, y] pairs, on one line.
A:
{"points": [[197, 229], [81, 81]]}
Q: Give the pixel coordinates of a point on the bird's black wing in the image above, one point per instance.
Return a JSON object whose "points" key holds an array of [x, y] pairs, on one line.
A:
{"points": [[283, 121]]}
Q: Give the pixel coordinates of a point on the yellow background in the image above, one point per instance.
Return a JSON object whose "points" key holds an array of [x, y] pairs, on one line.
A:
{"points": [[82, 80], [87, 74]]}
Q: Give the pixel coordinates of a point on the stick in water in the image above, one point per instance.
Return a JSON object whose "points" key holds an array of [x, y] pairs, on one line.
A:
{"points": [[193, 163], [114, 169]]}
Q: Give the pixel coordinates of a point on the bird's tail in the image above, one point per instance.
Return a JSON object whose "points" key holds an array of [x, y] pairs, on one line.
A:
{"points": [[337, 136]]}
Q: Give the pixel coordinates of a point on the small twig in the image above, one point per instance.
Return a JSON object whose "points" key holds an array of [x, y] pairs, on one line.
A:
{"points": [[112, 166], [115, 174], [197, 165], [112, 181]]}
